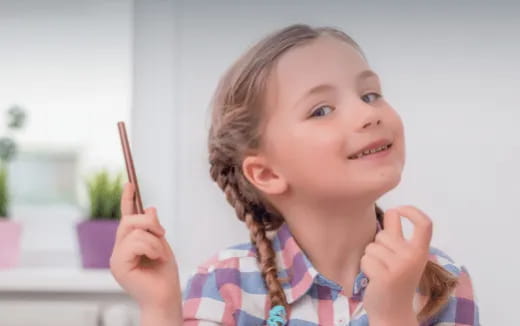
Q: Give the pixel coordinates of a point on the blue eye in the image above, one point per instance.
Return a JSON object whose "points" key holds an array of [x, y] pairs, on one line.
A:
{"points": [[376, 95], [321, 111]]}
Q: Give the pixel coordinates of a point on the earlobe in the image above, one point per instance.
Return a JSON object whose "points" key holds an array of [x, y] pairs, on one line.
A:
{"points": [[262, 176]]}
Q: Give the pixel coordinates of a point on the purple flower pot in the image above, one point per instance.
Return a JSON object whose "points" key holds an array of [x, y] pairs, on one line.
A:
{"points": [[96, 241], [10, 235]]}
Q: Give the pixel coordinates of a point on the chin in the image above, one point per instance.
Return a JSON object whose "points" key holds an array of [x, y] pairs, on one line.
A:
{"points": [[390, 182], [380, 186]]}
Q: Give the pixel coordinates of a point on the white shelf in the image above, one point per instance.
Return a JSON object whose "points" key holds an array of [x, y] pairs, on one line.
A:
{"points": [[58, 280]]}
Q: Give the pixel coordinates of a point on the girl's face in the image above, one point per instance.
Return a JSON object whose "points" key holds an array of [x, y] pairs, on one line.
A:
{"points": [[322, 107]]}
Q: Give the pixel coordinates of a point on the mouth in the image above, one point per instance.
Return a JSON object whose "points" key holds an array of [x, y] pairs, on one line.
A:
{"points": [[371, 151]]}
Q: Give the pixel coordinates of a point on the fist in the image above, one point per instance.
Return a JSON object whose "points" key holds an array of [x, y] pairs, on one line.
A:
{"points": [[394, 265]]}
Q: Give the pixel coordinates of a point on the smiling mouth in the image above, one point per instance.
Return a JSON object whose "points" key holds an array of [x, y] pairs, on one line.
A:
{"points": [[370, 151]]}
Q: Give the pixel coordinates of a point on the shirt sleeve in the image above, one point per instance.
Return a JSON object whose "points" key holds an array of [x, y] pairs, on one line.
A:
{"points": [[462, 308], [203, 304]]}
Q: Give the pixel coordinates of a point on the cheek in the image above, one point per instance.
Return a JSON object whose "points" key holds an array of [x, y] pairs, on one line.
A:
{"points": [[395, 124], [304, 150], [316, 163], [400, 137], [318, 145]]}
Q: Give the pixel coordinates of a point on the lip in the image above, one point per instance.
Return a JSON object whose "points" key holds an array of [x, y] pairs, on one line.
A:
{"points": [[372, 145]]}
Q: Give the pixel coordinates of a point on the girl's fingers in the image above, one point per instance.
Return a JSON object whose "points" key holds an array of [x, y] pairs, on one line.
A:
{"points": [[423, 227], [372, 266], [147, 237], [126, 257], [142, 249], [148, 222], [127, 200], [166, 247], [138, 243], [389, 241], [383, 254], [392, 223]]}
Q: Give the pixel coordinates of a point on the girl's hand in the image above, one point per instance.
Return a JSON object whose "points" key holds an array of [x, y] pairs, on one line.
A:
{"points": [[394, 267], [151, 280]]}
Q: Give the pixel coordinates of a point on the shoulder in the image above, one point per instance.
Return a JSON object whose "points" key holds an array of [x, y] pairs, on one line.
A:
{"points": [[458, 269], [462, 305], [236, 266], [228, 280], [228, 257], [447, 262]]}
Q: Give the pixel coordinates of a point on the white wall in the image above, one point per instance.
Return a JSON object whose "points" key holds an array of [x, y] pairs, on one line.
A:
{"points": [[68, 63], [450, 69]]}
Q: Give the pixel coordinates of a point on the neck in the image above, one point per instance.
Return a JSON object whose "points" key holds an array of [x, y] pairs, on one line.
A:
{"points": [[334, 239]]}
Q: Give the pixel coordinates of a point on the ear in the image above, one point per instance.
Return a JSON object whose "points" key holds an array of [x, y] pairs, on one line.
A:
{"points": [[262, 176]]}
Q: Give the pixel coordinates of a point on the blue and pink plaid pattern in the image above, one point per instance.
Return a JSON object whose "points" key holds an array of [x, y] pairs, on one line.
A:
{"points": [[228, 289]]}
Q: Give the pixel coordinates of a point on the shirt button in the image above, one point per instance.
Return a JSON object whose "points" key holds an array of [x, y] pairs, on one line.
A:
{"points": [[340, 322], [364, 282]]}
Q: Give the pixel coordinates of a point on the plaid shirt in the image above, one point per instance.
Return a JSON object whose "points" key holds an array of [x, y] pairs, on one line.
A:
{"points": [[228, 289]]}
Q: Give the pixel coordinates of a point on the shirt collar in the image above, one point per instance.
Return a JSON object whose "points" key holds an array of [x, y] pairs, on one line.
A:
{"points": [[293, 263]]}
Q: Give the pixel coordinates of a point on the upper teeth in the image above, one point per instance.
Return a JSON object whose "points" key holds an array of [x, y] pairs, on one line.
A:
{"points": [[370, 151]]}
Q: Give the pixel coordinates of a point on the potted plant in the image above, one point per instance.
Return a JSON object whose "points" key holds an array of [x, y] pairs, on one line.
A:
{"points": [[96, 234], [10, 231]]}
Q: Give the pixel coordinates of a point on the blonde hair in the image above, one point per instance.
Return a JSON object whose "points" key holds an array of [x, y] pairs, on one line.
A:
{"points": [[235, 133]]}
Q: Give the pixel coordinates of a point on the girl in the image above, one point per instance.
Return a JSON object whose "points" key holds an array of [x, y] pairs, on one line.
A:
{"points": [[302, 143]]}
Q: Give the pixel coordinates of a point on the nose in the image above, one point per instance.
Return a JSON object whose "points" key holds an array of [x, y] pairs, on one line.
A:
{"points": [[362, 116], [369, 117], [369, 123]]}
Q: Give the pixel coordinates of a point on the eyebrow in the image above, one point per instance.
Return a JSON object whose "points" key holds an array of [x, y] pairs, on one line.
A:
{"points": [[327, 87]]}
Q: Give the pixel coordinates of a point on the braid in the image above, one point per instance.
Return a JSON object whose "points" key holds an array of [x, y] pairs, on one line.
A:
{"points": [[228, 186], [266, 258], [435, 281], [258, 220]]}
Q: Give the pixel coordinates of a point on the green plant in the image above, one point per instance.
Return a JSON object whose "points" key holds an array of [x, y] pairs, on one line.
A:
{"points": [[4, 197], [104, 195], [16, 117]]}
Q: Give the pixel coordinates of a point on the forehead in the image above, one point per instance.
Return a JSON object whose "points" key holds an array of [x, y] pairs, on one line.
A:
{"points": [[324, 60]]}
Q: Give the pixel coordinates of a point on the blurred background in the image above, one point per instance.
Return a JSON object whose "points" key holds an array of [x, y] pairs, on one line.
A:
{"points": [[76, 68]]}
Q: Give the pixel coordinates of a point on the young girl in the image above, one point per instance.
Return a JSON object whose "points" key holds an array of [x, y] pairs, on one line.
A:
{"points": [[302, 143]]}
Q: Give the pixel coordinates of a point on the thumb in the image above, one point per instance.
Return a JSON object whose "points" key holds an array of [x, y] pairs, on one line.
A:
{"points": [[127, 200]]}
